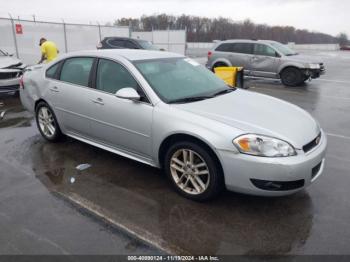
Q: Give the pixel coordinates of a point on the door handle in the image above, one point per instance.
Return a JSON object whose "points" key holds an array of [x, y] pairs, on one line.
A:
{"points": [[98, 101], [54, 89]]}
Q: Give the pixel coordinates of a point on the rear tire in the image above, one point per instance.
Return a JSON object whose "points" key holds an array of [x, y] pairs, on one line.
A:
{"points": [[292, 76], [219, 64], [47, 122], [193, 171]]}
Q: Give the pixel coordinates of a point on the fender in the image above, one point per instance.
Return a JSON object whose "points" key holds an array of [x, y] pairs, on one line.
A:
{"points": [[290, 64], [221, 60]]}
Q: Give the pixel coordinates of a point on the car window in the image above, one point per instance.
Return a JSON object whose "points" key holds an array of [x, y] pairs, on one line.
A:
{"points": [[52, 71], [116, 42], [224, 47], [177, 78], [242, 48], [112, 76], [264, 50], [77, 70], [131, 45], [147, 45]]}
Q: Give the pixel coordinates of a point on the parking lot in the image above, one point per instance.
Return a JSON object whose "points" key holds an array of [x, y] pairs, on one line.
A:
{"points": [[120, 206]]}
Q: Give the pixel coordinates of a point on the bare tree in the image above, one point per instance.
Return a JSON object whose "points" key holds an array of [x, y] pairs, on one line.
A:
{"points": [[203, 29], [343, 39]]}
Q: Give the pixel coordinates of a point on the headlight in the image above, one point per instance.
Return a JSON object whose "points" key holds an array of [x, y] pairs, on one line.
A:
{"points": [[314, 66], [258, 145]]}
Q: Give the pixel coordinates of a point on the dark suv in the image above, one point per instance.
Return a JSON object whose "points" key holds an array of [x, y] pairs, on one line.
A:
{"points": [[125, 43]]}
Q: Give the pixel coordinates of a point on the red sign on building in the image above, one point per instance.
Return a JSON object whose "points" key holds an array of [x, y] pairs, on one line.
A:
{"points": [[19, 29]]}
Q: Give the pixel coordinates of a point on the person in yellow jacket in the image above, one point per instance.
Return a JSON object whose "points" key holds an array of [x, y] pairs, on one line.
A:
{"points": [[48, 49]]}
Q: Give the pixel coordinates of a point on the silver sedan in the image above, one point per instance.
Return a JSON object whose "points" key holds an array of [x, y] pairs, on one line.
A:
{"points": [[167, 111]]}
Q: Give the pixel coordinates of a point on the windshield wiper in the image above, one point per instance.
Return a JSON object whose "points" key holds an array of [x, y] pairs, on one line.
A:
{"points": [[225, 91], [190, 99]]}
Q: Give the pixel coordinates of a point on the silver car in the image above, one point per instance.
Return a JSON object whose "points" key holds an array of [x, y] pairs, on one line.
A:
{"points": [[266, 59], [10, 73], [168, 111]]}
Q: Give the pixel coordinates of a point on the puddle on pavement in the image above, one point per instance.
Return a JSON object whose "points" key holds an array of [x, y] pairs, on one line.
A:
{"points": [[12, 114], [139, 197]]}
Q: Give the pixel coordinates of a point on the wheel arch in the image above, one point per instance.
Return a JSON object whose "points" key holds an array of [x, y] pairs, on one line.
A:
{"points": [[38, 101], [173, 138], [220, 60], [291, 65]]}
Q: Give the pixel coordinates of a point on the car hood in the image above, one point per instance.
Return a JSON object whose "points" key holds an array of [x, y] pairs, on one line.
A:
{"points": [[305, 59], [258, 114], [6, 61]]}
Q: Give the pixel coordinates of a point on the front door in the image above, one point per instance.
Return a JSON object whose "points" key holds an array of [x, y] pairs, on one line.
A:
{"points": [[264, 62], [123, 124]]}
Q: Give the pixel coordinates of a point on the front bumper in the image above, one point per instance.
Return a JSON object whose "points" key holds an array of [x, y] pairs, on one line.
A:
{"points": [[9, 80], [242, 171], [9, 85], [315, 73]]}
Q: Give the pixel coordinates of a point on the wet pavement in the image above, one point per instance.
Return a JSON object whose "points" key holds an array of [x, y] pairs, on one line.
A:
{"points": [[42, 191]]}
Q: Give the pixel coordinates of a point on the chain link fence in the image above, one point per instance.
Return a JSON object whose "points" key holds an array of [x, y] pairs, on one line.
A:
{"points": [[21, 37]]}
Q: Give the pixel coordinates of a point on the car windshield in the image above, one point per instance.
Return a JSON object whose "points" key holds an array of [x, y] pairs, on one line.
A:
{"points": [[181, 79], [147, 45], [285, 50]]}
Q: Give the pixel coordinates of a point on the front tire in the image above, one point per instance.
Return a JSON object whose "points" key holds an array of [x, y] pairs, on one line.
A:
{"points": [[292, 76], [193, 171], [47, 122]]}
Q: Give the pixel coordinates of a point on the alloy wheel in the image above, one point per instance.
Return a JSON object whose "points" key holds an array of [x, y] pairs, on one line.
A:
{"points": [[46, 122], [189, 171]]}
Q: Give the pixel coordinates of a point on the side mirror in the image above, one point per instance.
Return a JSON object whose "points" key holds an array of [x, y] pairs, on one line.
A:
{"points": [[277, 54], [128, 93]]}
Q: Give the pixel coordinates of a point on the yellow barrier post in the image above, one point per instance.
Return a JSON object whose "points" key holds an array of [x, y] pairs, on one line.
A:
{"points": [[233, 76]]}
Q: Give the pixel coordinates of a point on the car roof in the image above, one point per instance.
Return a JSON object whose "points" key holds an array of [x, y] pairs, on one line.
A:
{"points": [[247, 41], [122, 38], [129, 54]]}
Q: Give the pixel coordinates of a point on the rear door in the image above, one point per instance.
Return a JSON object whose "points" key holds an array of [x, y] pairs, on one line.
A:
{"points": [[265, 61], [71, 95], [239, 54], [123, 124]]}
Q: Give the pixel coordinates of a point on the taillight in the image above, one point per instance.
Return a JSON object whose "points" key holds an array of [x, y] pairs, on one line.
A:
{"points": [[21, 82], [209, 54]]}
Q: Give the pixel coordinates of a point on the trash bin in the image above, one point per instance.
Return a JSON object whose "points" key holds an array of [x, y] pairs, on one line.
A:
{"points": [[233, 76]]}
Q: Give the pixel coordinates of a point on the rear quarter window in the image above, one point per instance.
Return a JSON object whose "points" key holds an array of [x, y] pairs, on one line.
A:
{"points": [[52, 72]]}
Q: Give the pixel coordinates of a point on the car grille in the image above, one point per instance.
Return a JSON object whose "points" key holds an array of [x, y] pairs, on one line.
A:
{"points": [[315, 170], [308, 147], [278, 185], [10, 75]]}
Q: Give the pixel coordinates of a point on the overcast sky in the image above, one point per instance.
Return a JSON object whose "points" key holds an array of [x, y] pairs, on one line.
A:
{"points": [[329, 16]]}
